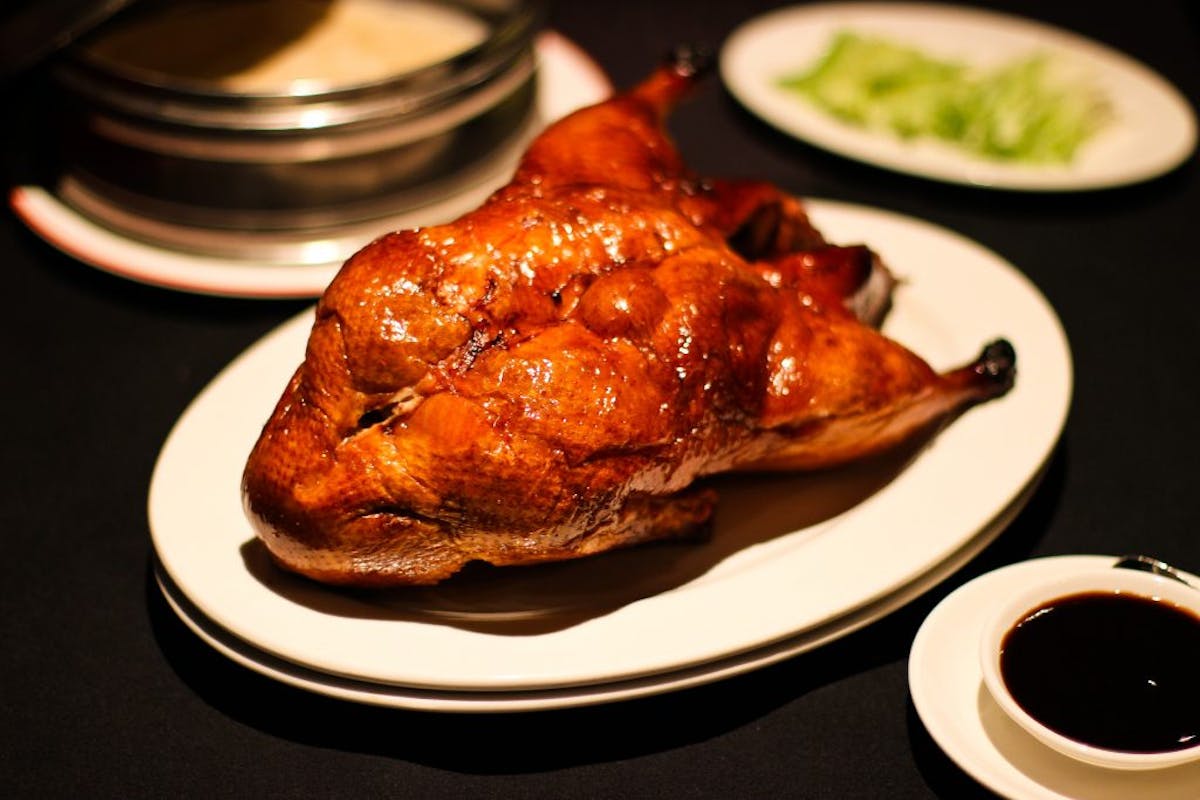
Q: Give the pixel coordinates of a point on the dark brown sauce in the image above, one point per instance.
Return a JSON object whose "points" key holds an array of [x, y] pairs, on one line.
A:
{"points": [[1109, 670]]}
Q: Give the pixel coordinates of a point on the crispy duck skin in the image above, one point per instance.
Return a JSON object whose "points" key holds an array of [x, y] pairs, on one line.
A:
{"points": [[548, 376]]}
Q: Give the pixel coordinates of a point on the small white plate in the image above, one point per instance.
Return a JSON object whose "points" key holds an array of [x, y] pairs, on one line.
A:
{"points": [[784, 557], [946, 683], [1154, 129], [567, 80]]}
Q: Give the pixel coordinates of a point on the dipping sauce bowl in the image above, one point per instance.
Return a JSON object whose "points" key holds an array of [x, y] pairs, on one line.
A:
{"points": [[1102, 666]]}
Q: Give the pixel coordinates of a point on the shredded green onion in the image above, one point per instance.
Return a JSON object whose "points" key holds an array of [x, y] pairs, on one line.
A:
{"points": [[1024, 110]]}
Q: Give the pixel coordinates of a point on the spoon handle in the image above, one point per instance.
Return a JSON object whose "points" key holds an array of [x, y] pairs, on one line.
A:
{"points": [[1149, 564]]}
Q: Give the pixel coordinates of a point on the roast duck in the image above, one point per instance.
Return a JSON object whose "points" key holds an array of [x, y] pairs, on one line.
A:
{"points": [[548, 376]]}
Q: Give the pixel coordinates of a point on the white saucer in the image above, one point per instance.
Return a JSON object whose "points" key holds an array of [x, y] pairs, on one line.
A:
{"points": [[947, 689], [567, 80]]}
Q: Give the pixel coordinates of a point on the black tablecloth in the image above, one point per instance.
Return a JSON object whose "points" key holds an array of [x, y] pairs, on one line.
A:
{"points": [[107, 694]]}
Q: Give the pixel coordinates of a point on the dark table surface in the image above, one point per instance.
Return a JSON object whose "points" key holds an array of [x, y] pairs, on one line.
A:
{"points": [[107, 694]]}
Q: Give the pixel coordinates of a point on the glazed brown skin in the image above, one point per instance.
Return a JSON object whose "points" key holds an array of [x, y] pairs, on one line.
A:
{"points": [[549, 375]]}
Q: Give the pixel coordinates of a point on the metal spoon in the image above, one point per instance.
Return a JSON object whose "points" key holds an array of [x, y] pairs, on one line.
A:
{"points": [[1148, 564]]}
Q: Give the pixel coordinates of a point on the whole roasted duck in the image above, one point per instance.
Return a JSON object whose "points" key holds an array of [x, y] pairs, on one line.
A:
{"points": [[548, 376]]}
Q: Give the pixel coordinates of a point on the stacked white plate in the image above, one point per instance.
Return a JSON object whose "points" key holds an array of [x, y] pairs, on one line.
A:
{"points": [[794, 561]]}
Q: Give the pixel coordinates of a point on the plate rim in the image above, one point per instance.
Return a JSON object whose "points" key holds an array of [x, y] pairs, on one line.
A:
{"points": [[412, 698]]}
